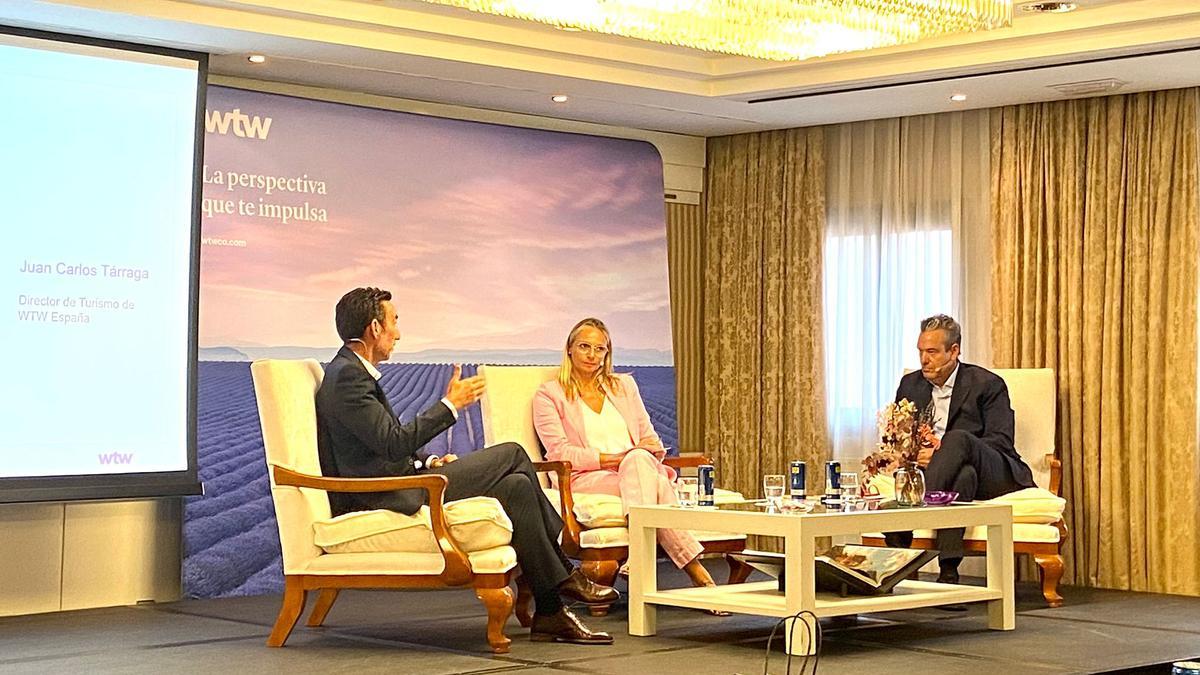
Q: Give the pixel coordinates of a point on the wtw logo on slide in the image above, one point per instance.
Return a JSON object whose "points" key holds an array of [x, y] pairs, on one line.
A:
{"points": [[115, 457], [242, 125]]}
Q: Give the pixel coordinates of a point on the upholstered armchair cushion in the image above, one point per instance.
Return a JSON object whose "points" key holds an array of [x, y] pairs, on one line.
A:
{"points": [[1031, 392], [1033, 505], [496, 560], [1032, 533], [603, 537], [594, 510], [476, 524], [507, 407]]}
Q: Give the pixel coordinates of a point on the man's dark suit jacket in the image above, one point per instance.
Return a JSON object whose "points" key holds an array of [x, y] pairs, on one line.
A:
{"points": [[359, 436], [979, 405]]}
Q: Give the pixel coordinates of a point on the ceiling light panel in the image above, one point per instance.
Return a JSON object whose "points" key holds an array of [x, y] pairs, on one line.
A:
{"points": [[778, 30]]}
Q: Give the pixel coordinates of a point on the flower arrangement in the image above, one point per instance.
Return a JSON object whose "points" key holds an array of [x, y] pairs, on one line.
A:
{"points": [[902, 433]]}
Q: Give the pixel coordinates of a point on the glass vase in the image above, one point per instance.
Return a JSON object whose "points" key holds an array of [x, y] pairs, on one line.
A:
{"points": [[910, 485]]}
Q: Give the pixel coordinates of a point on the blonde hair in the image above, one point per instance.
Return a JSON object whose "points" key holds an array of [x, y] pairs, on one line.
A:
{"points": [[605, 377]]}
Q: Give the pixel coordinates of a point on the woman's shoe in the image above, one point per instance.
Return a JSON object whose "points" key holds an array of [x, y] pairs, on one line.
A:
{"points": [[714, 612]]}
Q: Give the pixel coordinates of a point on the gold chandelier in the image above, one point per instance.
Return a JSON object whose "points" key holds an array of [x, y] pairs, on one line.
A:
{"points": [[779, 30]]}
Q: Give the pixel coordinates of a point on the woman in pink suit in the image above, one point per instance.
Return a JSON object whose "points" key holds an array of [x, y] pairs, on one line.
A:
{"points": [[595, 419]]}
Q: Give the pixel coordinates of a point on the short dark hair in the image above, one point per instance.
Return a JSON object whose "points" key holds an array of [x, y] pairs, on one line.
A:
{"points": [[357, 309], [946, 323]]}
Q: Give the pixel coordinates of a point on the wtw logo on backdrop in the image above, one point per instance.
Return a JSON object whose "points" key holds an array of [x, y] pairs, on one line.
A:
{"points": [[243, 126]]}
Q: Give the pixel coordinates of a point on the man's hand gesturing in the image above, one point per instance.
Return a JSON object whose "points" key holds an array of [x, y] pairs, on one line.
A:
{"points": [[463, 393]]}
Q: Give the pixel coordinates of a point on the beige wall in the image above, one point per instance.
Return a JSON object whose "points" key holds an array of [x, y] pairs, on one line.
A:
{"points": [[79, 555]]}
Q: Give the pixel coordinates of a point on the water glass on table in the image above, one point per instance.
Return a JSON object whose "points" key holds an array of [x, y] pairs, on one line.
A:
{"points": [[685, 491], [773, 485], [849, 483]]}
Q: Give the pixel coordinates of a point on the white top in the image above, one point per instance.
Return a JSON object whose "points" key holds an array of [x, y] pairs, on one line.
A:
{"points": [[605, 430], [374, 372], [941, 403]]}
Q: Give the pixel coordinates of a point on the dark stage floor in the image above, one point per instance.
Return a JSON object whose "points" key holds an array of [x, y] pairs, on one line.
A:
{"points": [[443, 632]]}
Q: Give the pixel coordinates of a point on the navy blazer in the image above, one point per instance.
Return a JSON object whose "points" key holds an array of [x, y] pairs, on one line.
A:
{"points": [[359, 436], [979, 405]]}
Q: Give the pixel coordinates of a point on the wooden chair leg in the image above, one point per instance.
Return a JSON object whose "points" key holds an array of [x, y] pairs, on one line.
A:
{"points": [[603, 572], [524, 606], [294, 596], [1051, 568], [324, 603], [499, 603], [738, 570]]}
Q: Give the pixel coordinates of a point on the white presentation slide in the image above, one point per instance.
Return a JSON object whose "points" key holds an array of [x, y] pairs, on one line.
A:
{"points": [[96, 164]]}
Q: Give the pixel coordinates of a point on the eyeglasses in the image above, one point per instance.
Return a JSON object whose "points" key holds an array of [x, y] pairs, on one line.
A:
{"points": [[597, 350]]}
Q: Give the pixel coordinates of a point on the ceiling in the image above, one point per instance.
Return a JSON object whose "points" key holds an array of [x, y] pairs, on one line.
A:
{"points": [[413, 50]]}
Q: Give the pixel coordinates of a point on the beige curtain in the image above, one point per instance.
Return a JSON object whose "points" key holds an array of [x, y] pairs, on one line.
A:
{"points": [[1094, 205], [906, 237], [685, 255], [763, 378]]}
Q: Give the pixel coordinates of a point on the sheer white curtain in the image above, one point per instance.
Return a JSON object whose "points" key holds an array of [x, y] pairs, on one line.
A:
{"points": [[907, 236]]}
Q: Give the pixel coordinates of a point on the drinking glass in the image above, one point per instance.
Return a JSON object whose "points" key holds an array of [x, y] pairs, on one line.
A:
{"points": [[685, 490], [849, 483], [773, 489]]}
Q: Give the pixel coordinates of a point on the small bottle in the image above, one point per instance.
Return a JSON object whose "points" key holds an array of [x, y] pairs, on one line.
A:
{"points": [[705, 492], [833, 481], [798, 474]]}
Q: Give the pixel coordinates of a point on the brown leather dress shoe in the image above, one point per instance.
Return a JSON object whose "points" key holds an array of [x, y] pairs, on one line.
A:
{"points": [[579, 587], [565, 627]]}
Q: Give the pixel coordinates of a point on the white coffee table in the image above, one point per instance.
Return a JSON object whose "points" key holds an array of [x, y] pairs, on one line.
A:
{"points": [[800, 533]]}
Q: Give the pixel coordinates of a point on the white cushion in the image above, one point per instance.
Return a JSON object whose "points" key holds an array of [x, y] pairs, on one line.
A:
{"points": [[287, 412], [476, 524], [604, 537], [1027, 532], [592, 509], [596, 509], [507, 407], [490, 561], [1033, 505], [1031, 391], [1030, 533], [1030, 505]]}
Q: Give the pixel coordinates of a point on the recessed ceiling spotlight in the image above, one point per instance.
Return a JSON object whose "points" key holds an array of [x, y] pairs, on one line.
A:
{"points": [[958, 98], [1049, 7], [559, 98], [256, 58]]}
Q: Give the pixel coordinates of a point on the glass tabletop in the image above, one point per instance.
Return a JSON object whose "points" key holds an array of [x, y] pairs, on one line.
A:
{"points": [[817, 506]]}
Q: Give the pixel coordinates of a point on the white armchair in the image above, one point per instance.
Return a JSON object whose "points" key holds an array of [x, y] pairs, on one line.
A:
{"points": [[1038, 528], [464, 543], [594, 530]]}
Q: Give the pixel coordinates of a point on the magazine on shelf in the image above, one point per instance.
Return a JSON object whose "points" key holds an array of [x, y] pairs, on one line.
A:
{"points": [[849, 569]]}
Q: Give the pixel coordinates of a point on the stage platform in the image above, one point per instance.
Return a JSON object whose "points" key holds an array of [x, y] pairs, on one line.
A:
{"points": [[443, 632]]}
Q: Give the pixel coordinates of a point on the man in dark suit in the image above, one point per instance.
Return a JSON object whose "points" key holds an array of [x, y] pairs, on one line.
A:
{"points": [[359, 436], [970, 448]]}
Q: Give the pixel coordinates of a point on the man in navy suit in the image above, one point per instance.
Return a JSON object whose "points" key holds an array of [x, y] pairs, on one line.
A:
{"points": [[359, 436], [970, 449]]}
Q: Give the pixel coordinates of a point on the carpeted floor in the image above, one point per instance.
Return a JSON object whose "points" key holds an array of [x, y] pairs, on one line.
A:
{"points": [[443, 632]]}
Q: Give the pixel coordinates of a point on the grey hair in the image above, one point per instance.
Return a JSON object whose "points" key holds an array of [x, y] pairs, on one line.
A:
{"points": [[946, 323]]}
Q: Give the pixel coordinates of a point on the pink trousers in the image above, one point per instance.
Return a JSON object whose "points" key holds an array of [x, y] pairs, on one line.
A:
{"points": [[642, 479]]}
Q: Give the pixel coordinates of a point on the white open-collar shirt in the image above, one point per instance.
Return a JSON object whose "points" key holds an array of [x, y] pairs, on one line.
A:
{"points": [[941, 403]]}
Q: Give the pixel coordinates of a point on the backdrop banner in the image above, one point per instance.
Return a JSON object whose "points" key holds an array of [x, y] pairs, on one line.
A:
{"points": [[493, 240]]}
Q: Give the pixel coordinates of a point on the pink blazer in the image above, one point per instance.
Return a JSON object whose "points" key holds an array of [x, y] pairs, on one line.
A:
{"points": [[559, 424]]}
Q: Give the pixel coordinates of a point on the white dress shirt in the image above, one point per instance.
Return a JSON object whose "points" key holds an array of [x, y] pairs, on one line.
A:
{"points": [[941, 404], [374, 372]]}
